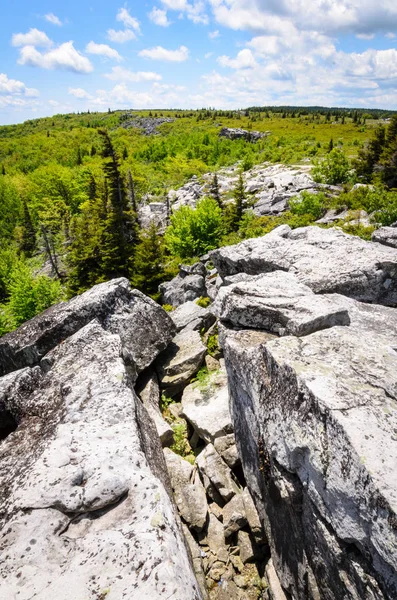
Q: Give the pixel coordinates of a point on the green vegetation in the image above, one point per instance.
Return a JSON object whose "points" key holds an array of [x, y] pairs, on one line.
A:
{"points": [[203, 301], [70, 186]]}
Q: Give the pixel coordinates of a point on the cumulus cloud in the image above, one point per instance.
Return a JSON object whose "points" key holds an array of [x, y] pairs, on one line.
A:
{"points": [[125, 75], [128, 21], [121, 36], [390, 35], [64, 57], [365, 36], [34, 37], [159, 17], [195, 11], [214, 34], [244, 60], [160, 53], [51, 18], [79, 93], [15, 87], [103, 50]]}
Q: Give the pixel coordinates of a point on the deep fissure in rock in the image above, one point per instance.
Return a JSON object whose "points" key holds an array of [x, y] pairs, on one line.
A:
{"points": [[8, 424]]}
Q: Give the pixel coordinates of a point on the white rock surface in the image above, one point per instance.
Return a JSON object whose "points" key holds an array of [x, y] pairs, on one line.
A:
{"points": [[386, 236], [192, 316], [182, 359]]}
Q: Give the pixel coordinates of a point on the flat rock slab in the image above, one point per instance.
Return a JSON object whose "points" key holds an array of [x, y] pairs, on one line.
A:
{"points": [[86, 508], [182, 359], [207, 408], [192, 316], [315, 421], [326, 260], [386, 236], [277, 302], [145, 328]]}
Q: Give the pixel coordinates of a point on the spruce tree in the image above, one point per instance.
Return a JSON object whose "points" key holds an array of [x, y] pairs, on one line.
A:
{"points": [[120, 229], [131, 192], [148, 263], [28, 239], [214, 191], [234, 212], [331, 145]]}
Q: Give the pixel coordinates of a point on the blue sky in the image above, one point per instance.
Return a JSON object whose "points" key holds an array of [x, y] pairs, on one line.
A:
{"points": [[70, 56]]}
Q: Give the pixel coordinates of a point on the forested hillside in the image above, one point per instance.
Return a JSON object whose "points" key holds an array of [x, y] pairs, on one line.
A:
{"points": [[71, 185]]}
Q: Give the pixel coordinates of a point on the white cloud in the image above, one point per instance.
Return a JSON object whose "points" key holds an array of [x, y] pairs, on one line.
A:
{"points": [[51, 18], [128, 21], [125, 75], [64, 57], [121, 36], [390, 35], [365, 36], [160, 53], [159, 17], [214, 34], [79, 93], [244, 60], [34, 37], [208, 55], [102, 50], [194, 11], [15, 87]]}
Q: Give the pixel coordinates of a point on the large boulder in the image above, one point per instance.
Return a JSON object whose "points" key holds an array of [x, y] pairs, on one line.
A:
{"points": [[315, 424], [218, 479], [277, 302], [326, 260], [237, 133], [144, 327], [188, 285], [180, 361], [192, 316], [86, 507], [148, 390]]}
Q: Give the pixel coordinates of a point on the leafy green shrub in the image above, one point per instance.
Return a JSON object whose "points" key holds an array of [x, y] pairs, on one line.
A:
{"points": [[168, 307], [203, 301], [181, 444], [165, 401], [195, 231], [213, 344], [333, 169], [308, 204], [373, 199]]}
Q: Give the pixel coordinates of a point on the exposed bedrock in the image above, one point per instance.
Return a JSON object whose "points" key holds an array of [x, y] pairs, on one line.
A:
{"points": [[315, 420], [86, 508]]}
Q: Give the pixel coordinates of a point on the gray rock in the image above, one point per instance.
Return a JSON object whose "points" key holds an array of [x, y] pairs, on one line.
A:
{"points": [[386, 236], [183, 288], [182, 359], [234, 517], [238, 133], [226, 447], [253, 517], [189, 492], [277, 302], [148, 125], [191, 316], [195, 553], [207, 408], [315, 424], [214, 536], [85, 498], [327, 260], [275, 589], [247, 551], [145, 328], [149, 393], [218, 474]]}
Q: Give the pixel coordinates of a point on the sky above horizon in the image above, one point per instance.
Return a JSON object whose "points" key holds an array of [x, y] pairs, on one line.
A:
{"points": [[59, 57]]}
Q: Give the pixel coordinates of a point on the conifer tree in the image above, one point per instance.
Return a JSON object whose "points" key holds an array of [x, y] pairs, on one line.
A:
{"points": [[214, 190], [148, 262], [131, 192], [79, 160], [28, 239], [331, 145], [234, 211], [120, 229]]}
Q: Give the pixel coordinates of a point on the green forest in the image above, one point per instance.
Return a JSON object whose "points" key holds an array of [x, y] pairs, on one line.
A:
{"points": [[70, 187]]}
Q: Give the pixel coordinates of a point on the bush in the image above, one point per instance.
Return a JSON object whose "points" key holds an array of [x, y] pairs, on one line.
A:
{"points": [[308, 204], [168, 307], [203, 301], [333, 169], [195, 231]]}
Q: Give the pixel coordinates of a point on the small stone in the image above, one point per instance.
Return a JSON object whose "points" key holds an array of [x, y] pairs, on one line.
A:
{"points": [[223, 554], [247, 551], [240, 581], [234, 517], [237, 563], [217, 570], [211, 363]]}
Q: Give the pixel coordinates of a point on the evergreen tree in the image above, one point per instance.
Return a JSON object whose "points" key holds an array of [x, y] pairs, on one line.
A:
{"points": [[331, 145], [214, 191], [125, 153], [92, 188], [131, 192], [79, 160], [148, 262], [3, 170], [28, 239], [93, 150], [234, 212], [120, 229]]}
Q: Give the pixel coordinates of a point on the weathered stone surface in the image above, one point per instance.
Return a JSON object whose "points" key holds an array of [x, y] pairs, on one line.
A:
{"points": [[195, 553], [247, 551], [327, 260], [226, 447], [187, 195], [252, 517], [207, 407], [218, 473], [275, 589], [191, 316], [234, 517], [145, 328], [189, 492], [183, 288], [386, 236], [277, 302], [214, 536], [148, 390], [182, 359], [238, 133], [315, 421], [85, 499]]}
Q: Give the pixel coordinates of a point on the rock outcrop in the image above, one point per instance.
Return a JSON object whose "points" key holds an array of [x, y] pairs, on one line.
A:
{"points": [[386, 236], [188, 285], [237, 133], [326, 260], [86, 506]]}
